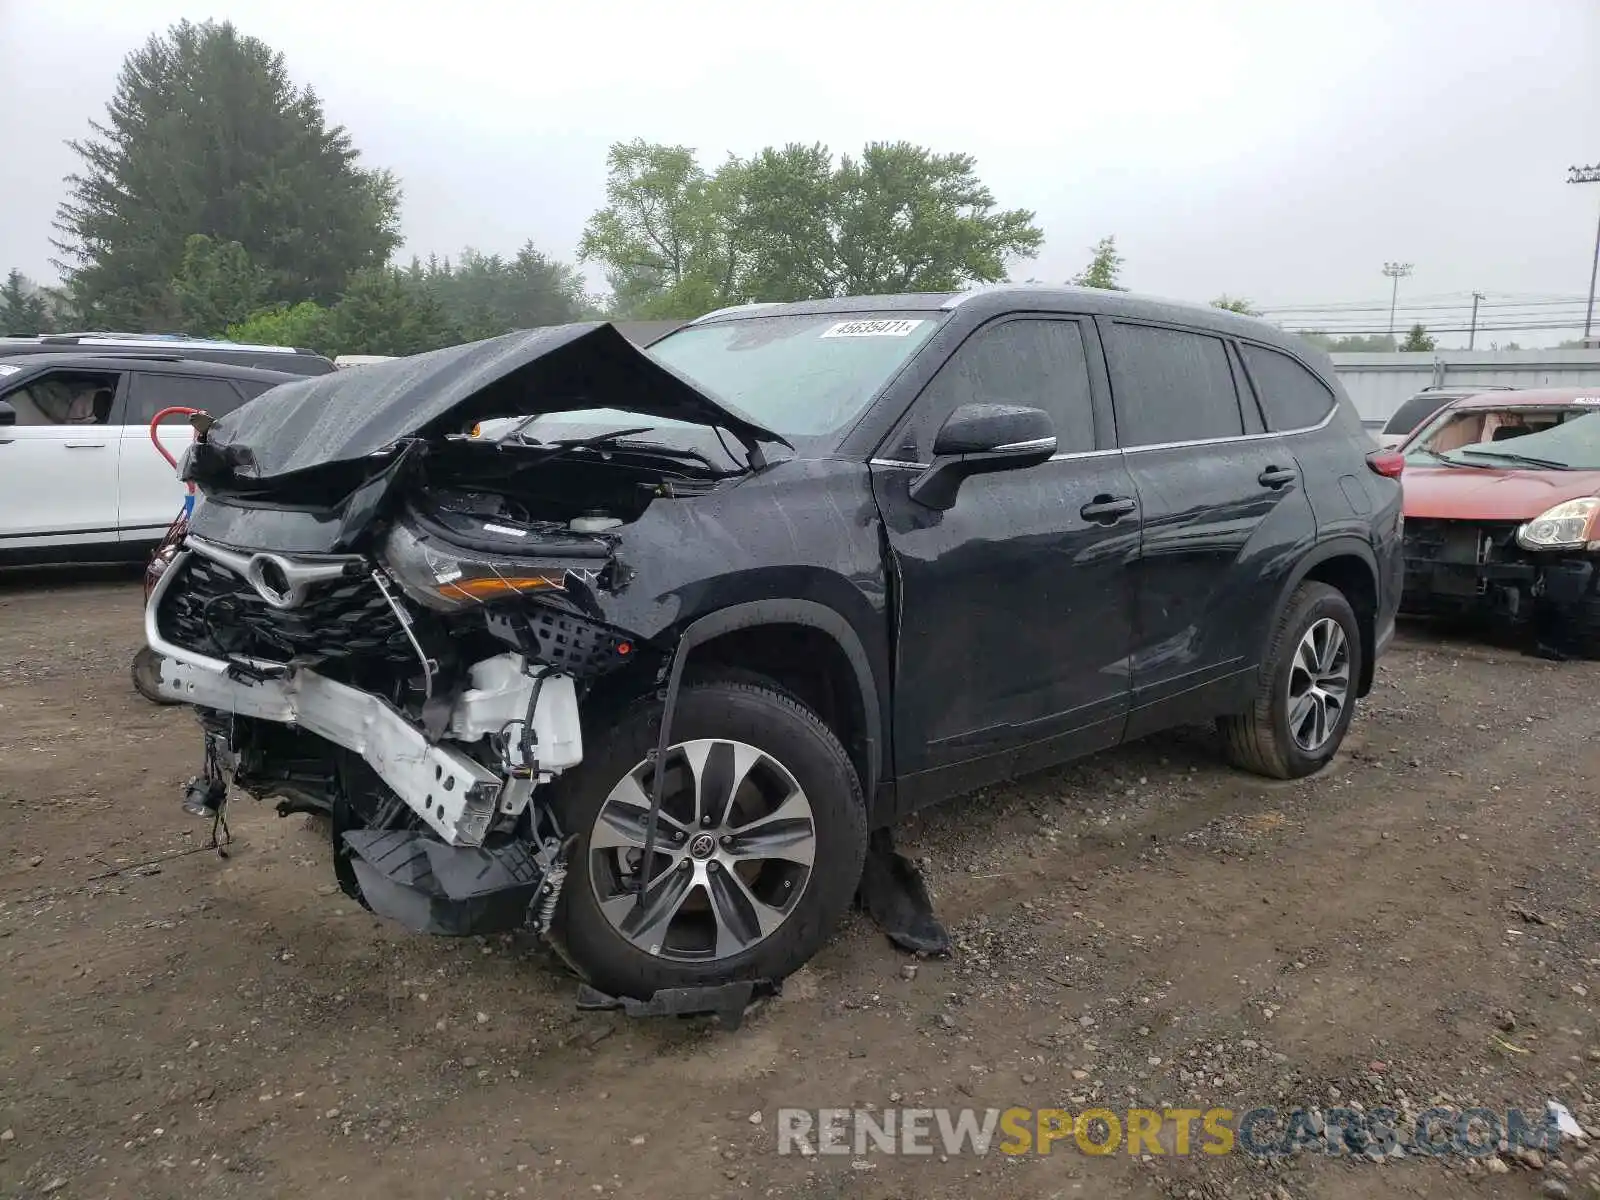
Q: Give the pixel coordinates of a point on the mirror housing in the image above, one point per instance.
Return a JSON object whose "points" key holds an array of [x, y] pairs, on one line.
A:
{"points": [[8, 415], [979, 439]]}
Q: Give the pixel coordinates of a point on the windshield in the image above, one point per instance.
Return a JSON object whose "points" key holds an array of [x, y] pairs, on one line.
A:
{"points": [[806, 377], [1520, 438]]}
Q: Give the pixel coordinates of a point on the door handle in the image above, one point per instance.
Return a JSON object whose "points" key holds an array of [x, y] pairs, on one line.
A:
{"points": [[85, 445], [1108, 510], [1277, 477]]}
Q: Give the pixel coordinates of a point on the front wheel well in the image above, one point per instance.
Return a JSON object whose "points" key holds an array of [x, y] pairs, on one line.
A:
{"points": [[807, 663], [1351, 575]]}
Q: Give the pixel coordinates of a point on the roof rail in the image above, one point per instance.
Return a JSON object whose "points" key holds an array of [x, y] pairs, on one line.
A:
{"points": [[162, 341]]}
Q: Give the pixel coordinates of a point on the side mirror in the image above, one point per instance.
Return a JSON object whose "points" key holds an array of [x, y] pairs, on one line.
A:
{"points": [[8, 415], [979, 439]]}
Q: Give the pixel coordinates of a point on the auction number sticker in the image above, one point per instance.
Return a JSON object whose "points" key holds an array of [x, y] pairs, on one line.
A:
{"points": [[871, 329]]}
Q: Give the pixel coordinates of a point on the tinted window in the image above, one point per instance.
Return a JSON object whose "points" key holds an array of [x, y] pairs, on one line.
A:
{"points": [[1171, 386], [148, 394], [1034, 363], [1415, 411], [1291, 396], [251, 388], [65, 398]]}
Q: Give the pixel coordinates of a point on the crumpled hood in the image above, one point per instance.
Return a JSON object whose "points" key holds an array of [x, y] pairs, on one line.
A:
{"points": [[350, 414], [1490, 494]]}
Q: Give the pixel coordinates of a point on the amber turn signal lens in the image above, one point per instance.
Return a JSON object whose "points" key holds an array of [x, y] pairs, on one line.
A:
{"points": [[492, 586]]}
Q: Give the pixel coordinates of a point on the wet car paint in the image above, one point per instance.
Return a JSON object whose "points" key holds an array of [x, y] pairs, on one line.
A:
{"points": [[1485, 493], [1008, 631]]}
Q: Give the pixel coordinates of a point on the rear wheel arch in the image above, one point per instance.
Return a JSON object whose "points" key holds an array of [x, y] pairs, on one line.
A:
{"points": [[1348, 564]]}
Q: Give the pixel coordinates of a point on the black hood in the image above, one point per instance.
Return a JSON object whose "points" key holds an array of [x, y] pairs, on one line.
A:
{"points": [[355, 412]]}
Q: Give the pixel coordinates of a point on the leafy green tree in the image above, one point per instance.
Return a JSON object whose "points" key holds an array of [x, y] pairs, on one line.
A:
{"points": [[665, 236], [1235, 304], [381, 312], [216, 285], [24, 308], [900, 218], [1376, 343], [484, 295], [1104, 269], [1417, 339], [791, 223], [303, 325], [207, 134]]}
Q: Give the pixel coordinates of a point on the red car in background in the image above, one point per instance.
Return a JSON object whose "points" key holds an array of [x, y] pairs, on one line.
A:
{"points": [[1502, 513]]}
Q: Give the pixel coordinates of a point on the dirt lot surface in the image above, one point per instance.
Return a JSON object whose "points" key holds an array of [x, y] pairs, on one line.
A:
{"points": [[1418, 924]]}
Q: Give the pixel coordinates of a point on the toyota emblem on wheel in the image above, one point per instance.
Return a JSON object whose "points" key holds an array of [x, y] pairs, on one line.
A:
{"points": [[702, 845]]}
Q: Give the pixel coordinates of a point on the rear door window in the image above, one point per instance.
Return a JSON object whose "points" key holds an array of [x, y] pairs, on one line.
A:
{"points": [[65, 398], [1171, 385], [150, 392], [1291, 396]]}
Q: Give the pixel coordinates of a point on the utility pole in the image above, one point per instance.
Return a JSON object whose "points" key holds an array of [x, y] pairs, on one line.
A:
{"points": [[1588, 175], [1396, 272], [1472, 330]]}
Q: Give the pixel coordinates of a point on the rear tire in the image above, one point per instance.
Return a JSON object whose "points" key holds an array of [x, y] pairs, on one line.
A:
{"points": [[1280, 736], [146, 674], [746, 910]]}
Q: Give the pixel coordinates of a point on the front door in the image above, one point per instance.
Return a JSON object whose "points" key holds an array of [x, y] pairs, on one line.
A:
{"points": [[58, 463], [1224, 513], [1013, 609]]}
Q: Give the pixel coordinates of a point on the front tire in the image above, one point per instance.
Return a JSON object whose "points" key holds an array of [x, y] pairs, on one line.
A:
{"points": [[1306, 694], [759, 850]]}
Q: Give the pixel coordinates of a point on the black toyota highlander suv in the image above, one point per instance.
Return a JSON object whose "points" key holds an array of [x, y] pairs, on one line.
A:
{"points": [[637, 646]]}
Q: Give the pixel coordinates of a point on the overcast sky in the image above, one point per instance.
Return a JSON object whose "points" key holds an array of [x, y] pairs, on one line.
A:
{"points": [[1279, 150]]}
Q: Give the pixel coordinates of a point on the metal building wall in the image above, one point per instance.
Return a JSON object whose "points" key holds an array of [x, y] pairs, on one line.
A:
{"points": [[1380, 383]]}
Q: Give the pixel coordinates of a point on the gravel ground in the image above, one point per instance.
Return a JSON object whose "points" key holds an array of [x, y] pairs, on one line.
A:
{"points": [[1417, 926]]}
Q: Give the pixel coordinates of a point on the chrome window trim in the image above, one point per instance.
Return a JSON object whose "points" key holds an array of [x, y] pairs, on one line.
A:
{"points": [[1040, 443], [1222, 441]]}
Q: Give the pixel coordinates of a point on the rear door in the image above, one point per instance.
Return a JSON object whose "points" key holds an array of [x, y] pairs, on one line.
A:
{"points": [[149, 494], [58, 463], [1224, 513]]}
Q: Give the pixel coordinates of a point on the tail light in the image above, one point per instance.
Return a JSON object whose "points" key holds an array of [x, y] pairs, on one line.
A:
{"points": [[1388, 463]]}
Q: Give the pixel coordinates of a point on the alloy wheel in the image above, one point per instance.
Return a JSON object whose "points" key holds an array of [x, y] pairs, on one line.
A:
{"points": [[1319, 684], [735, 844]]}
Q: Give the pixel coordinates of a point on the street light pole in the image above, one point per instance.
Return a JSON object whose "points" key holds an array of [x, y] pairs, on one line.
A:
{"points": [[1396, 272], [1588, 175]]}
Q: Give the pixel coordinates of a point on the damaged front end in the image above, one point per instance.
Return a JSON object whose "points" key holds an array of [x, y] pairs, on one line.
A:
{"points": [[384, 620], [320, 682], [1477, 568]]}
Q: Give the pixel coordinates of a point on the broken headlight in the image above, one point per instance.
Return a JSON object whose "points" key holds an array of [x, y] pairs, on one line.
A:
{"points": [[448, 578], [1567, 526]]}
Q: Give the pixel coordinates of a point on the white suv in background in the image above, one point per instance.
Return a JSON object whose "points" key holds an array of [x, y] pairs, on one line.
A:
{"points": [[79, 479]]}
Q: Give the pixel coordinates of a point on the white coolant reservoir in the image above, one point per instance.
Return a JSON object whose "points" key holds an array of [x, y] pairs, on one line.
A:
{"points": [[497, 702], [593, 522]]}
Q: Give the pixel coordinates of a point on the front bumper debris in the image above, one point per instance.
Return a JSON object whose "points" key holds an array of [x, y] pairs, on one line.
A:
{"points": [[450, 891], [1472, 567], [454, 794]]}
